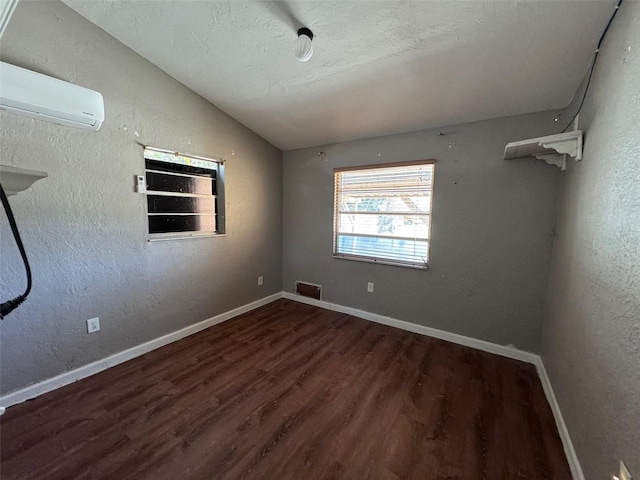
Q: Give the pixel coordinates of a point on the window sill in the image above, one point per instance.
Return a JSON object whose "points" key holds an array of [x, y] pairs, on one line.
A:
{"points": [[382, 262], [181, 236]]}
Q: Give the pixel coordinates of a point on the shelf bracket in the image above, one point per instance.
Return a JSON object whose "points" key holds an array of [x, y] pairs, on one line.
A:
{"points": [[16, 179], [559, 161], [553, 149]]}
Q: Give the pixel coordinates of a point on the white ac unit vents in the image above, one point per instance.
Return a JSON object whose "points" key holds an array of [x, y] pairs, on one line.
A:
{"points": [[32, 94]]}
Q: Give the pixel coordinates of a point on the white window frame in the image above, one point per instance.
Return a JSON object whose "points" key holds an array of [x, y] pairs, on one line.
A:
{"points": [[399, 254], [178, 158]]}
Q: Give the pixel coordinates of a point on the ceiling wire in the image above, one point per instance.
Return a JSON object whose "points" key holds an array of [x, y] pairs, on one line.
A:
{"points": [[593, 64]]}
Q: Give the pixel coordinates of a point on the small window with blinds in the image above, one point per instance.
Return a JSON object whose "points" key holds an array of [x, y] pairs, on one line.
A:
{"points": [[382, 213], [184, 195]]}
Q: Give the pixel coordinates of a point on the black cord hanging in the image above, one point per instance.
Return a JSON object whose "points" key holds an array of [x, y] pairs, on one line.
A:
{"points": [[593, 64], [10, 305]]}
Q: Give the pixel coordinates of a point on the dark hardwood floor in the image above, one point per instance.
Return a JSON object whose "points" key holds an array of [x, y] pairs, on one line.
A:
{"points": [[290, 391]]}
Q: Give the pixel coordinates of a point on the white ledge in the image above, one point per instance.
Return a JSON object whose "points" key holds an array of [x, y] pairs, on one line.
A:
{"points": [[553, 149], [16, 179]]}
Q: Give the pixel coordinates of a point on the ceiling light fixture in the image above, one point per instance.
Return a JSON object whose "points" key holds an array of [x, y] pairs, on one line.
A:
{"points": [[304, 49]]}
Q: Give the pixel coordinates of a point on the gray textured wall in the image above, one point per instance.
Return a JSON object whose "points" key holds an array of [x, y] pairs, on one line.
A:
{"points": [[85, 228], [591, 334], [491, 232]]}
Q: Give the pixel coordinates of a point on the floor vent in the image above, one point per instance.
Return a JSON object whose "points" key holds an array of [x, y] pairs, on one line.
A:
{"points": [[308, 290]]}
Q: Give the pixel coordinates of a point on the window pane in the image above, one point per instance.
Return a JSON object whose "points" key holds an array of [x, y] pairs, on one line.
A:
{"points": [[411, 202], [174, 183], [409, 251], [173, 167], [384, 213], [166, 204], [181, 223], [397, 179], [410, 226], [182, 193]]}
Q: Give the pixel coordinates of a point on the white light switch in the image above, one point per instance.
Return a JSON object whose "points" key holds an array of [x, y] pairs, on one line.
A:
{"points": [[141, 184]]}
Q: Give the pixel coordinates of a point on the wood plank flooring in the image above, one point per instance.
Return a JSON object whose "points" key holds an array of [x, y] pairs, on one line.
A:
{"points": [[290, 391]]}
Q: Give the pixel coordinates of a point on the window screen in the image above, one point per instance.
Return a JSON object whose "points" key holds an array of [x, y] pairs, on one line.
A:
{"points": [[383, 213], [182, 194]]}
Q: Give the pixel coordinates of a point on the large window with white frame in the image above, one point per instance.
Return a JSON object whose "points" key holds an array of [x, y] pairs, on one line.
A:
{"points": [[185, 194], [382, 213]]}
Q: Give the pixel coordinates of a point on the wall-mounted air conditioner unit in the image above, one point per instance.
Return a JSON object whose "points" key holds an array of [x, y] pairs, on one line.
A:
{"points": [[32, 94]]}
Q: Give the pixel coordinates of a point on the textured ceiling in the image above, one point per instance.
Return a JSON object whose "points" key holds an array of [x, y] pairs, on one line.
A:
{"points": [[378, 67]]}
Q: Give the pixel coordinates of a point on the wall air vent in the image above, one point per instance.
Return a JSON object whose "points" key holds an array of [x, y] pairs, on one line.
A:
{"points": [[308, 290]]}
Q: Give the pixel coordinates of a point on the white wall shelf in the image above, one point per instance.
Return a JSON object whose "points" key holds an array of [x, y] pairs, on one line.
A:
{"points": [[16, 179], [553, 149]]}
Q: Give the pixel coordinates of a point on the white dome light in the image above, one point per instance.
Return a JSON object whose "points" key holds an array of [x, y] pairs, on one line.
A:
{"points": [[304, 49]]}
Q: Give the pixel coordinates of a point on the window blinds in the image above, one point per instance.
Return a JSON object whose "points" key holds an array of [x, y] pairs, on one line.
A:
{"points": [[383, 213]]}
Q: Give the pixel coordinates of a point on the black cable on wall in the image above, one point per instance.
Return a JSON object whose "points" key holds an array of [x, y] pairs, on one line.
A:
{"points": [[10, 305], [593, 64]]}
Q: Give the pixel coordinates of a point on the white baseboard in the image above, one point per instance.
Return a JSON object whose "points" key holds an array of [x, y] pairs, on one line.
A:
{"points": [[572, 459], [37, 389], [33, 391], [421, 329], [569, 451]]}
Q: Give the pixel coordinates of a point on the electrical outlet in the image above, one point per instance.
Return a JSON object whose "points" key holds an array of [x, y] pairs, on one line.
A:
{"points": [[260, 280], [370, 287], [93, 325]]}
